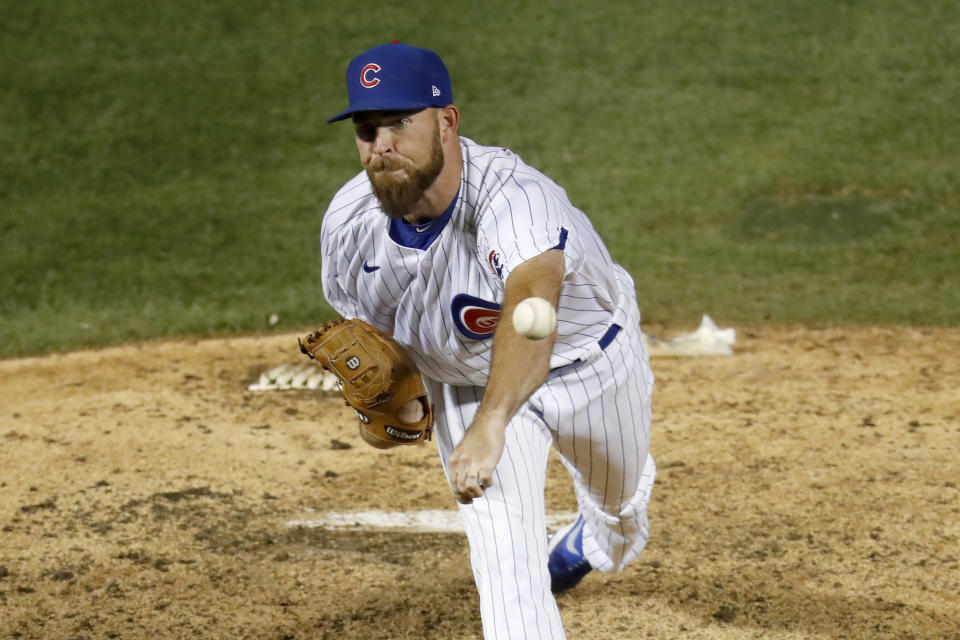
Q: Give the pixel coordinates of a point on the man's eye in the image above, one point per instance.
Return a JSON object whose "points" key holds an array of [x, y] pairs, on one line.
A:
{"points": [[402, 122]]}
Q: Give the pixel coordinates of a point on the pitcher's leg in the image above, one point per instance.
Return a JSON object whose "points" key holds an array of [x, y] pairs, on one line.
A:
{"points": [[613, 539], [506, 528], [601, 411]]}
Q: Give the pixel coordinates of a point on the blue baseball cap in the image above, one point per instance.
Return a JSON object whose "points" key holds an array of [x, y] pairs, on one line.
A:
{"points": [[396, 77]]}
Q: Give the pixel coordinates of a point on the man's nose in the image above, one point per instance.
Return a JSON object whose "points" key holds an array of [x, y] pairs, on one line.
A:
{"points": [[382, 141]]}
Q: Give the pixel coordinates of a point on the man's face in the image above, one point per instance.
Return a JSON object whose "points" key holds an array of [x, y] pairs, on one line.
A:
{"points": [[402, 155]]}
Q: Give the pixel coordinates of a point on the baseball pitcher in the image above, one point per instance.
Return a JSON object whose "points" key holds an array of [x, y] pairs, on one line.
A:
{"points": [[431, 248]]}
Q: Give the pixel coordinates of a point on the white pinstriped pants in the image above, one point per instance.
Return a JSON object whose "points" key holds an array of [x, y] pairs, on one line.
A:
{"points": [[597, 416]]}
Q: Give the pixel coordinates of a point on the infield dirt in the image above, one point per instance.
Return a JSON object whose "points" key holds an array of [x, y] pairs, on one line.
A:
{"points": [[807, 488]]}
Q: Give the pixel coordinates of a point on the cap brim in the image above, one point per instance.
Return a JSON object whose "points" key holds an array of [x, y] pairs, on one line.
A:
{"points": [[380, 105]]}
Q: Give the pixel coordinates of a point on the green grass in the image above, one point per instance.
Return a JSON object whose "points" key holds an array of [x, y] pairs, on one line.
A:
{"points": [[165, 166]]}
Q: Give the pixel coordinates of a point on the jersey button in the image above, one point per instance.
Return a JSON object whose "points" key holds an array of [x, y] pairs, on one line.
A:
{"points": [[425, 262]]}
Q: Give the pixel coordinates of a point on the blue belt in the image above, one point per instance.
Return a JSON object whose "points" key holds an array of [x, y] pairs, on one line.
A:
{"points": [[604, 342], [609, 336]]}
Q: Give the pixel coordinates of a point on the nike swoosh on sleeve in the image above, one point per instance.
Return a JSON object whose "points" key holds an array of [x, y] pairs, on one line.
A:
{"points": [[368, 268]]}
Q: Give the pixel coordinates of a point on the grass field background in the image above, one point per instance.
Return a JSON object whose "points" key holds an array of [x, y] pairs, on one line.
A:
{"points": [[165, 165]]}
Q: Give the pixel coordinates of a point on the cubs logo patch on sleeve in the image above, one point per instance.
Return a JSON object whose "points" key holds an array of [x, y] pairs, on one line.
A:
{"points": [[495, 264]]}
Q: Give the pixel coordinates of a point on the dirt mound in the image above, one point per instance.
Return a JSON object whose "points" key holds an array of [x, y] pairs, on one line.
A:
{"points": [[807, 488]]}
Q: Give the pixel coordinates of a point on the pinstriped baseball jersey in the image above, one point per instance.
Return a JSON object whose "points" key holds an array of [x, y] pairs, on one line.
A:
{"points": [[437, 287]]}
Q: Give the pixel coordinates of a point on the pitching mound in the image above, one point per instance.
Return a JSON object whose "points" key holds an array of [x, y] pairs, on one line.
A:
{"points": [[807, 489]]}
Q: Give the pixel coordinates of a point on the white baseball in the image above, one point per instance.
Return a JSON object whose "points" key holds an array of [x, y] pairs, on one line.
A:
{"points": [[411, 413], [535, 318]]}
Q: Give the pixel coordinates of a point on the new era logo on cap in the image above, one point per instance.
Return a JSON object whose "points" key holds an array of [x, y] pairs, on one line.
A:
{"points": [[396, 77]]}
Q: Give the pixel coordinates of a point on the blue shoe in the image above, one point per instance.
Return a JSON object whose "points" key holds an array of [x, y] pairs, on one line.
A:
{"points": [[566, 561]]}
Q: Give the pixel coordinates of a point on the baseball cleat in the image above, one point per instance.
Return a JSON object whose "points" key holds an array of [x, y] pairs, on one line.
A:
{"points": [[566, 561]]}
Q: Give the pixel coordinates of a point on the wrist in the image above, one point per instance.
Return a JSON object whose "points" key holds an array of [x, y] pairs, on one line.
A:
{"points": [[491, 419]]}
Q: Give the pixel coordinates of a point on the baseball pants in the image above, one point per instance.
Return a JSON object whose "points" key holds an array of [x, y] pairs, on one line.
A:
{"points": [[596, 414]]}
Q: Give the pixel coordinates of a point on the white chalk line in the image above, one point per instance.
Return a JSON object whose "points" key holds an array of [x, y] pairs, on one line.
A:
{"points": [[426, 521]]}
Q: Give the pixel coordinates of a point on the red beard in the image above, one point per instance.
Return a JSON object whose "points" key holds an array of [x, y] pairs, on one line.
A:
{"points": [[399, 195]]}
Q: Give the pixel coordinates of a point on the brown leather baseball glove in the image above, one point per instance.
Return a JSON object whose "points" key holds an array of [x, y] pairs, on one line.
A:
{"points": [[378, 380]]}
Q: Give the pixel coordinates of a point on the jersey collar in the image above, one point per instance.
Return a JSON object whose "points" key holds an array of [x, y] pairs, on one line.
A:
{"points": [[420, 236]]}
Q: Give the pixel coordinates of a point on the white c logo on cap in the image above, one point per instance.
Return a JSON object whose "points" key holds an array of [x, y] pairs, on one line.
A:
{"points": [[367, 82]]}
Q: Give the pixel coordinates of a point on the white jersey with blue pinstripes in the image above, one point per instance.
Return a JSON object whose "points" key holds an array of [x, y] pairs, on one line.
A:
{"points": [[437, 287]]}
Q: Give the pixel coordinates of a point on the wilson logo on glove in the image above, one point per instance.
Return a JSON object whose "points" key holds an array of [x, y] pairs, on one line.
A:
{"points": [[402, 433]]}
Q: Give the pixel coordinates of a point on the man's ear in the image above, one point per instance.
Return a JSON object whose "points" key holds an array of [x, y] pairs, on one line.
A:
{"points": [[449, 120]]}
